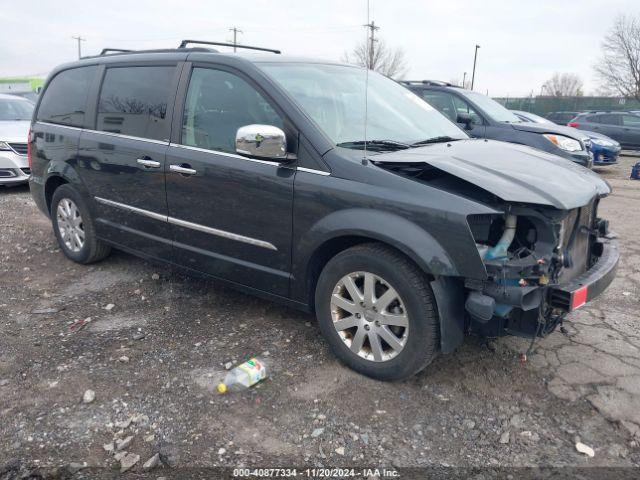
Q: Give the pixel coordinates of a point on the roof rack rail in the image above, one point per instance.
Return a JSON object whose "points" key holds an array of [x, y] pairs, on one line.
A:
{"points": [[184, 43], [428, 82], [115, 50]]}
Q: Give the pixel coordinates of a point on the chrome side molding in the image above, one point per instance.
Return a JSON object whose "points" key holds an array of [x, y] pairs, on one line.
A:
{"points": [[185, 224], [222, 233], [311, 170], [129, 208]]}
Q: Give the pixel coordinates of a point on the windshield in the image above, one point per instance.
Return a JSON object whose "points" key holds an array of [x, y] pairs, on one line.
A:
{"points": [[18, 109], [491, 108], [334, 97]]}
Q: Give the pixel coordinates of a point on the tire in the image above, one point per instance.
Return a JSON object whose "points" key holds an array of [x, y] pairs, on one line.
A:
{"points": [[91, 249], [415, 345]]}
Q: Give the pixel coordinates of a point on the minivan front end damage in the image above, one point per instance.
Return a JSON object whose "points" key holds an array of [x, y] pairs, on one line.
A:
{"points": [[541, 263], [544, 250]]}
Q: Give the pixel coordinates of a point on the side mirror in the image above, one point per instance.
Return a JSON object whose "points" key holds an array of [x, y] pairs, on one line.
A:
{"points": [[262, 141], [465, 119]]}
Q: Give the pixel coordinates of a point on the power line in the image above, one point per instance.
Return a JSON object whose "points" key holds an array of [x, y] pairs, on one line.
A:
{"points": [[372, 31], [79, 39], [235, 33]]}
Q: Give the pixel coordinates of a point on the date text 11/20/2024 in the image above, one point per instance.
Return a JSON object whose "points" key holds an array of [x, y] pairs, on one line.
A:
{"points": [[315, 472]]}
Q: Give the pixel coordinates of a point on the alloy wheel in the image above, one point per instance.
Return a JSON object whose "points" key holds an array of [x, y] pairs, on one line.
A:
{"points": [[70, 225], [369, 316]]}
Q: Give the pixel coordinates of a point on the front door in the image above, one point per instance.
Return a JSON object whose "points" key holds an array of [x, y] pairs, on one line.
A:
{"points": [[231, 215], [122, 161]]}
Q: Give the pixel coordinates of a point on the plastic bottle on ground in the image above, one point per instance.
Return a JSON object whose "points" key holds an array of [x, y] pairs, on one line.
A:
{"points": [[244, 376]]}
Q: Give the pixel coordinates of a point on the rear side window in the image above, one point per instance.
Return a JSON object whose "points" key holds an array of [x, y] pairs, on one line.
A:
{"points": [[605, 119], [631, 121], [133, 101], [219, 103], [65, 98]]}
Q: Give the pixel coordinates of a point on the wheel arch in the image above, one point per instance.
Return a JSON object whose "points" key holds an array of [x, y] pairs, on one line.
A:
{"points": [[59, 174], [359, 227], [347, 228], [51, 185]]}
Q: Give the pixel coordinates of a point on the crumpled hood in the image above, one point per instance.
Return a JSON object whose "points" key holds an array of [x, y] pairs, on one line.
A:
{"points": [[14, 131], [550, 128], [514, 173]]}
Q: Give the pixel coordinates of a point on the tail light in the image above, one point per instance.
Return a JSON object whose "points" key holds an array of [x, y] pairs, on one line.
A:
{"points": [[29, 152], [573, 124]]}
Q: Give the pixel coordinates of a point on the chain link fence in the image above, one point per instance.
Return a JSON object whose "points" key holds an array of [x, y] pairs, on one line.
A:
{"points": [[544, 105]]}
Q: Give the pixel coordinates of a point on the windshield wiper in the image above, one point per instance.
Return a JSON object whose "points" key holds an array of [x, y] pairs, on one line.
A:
{"points": [[442, 138], [378, 145]]}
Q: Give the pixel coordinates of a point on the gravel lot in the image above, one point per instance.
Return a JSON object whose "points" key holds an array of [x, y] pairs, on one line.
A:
{"points": [[157, 343]]}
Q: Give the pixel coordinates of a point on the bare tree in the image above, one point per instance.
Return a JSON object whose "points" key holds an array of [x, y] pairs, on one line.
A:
{"points": [[619, 67], [563, 85], [382, 58]]}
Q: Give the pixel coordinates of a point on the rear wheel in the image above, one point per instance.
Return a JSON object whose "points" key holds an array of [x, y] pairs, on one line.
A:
{"points": [[73, 227], [377, 311]]}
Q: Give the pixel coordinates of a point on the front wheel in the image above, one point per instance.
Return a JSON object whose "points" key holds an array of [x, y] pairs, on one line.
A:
{"points": [[377, 311], [73, 227]]}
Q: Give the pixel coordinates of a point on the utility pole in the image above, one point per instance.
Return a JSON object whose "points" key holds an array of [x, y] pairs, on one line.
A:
{"points": [[372, 28], [464, 80], [79, 39], [235, 31], [475, 57]]}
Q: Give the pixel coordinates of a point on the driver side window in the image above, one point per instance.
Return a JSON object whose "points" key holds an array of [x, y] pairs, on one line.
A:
{"points": [[450, 105], [217, 104], [463, 107]]}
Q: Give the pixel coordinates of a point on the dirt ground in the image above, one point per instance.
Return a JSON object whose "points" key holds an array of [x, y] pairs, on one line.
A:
{"points": [[157, 343]]}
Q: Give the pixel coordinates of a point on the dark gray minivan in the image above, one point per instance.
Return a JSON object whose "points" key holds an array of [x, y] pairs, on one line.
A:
{"points": [[483, 117], [270, 173]]}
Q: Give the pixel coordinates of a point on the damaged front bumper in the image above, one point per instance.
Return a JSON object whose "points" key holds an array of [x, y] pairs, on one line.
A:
{"points": [[504, 306], [589, 285]]}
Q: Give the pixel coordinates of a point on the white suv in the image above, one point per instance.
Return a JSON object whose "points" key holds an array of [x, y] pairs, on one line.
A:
{"points": [[15, 117]]}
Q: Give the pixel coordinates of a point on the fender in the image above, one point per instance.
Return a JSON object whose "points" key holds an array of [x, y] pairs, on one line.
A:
{"points": [[383, 226], [66, 171]]}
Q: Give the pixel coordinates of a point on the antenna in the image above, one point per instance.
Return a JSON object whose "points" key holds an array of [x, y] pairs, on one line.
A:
{"points": [[373, 28]]}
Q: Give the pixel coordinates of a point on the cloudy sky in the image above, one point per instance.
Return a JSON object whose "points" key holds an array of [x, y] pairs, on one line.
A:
{"points": [[523, 42]]}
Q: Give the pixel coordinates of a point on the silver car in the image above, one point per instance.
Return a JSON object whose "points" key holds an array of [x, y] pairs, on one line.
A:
{"points": [[15, 116]]}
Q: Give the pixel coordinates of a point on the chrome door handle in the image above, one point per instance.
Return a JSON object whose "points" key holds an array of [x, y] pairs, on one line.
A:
{"points": [[182, 170], [145, 162]]}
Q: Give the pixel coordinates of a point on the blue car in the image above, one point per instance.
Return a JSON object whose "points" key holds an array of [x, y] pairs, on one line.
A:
{"points": [[605, 150]]}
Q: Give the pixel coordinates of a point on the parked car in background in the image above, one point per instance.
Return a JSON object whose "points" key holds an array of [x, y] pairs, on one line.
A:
{"points": [[624, 127], [483, 117], [561, 118], [31, 96], [15, 116], [605, 150]]}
